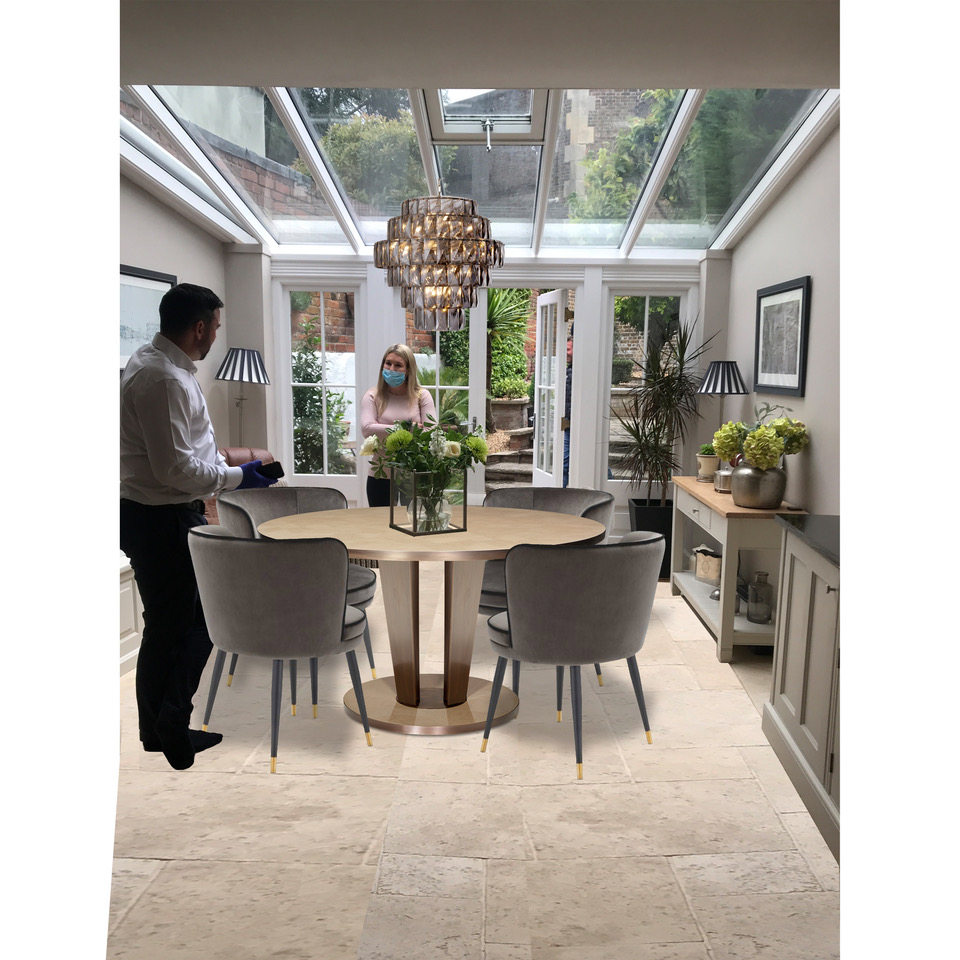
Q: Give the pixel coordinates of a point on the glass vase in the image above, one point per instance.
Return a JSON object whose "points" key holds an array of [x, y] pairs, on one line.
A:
{"points": [[424, 503], [760, 599]]}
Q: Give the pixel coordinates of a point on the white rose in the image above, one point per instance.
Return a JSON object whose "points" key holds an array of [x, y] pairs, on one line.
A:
{"points": [[369, 446], [451, 449]]}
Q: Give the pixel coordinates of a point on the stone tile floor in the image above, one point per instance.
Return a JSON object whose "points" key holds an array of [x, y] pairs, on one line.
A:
{"points": [[694, 847]]}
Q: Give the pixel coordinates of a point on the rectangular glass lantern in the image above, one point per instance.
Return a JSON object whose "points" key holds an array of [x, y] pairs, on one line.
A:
{"points": [[428, 503]]}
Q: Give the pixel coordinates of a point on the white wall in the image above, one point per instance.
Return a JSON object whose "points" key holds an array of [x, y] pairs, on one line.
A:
{"points": [[155, 237], [799, 236]]}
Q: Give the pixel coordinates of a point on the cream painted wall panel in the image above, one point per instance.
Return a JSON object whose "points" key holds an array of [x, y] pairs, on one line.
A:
{"points": [[157, 238], [799, 236]]}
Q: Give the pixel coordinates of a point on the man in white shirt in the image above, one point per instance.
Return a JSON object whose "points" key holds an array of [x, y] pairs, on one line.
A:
{"points": [[169, 463]]}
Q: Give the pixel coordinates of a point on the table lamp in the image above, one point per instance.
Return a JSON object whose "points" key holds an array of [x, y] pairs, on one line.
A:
{"points": [[243, 366], [722, 379]]}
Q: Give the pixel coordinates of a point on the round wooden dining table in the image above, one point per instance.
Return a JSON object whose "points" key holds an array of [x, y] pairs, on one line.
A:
{"points": [[451, 702]]}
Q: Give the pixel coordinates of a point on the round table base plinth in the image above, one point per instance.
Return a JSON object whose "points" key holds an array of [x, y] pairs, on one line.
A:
{"points": [[431, 718]]}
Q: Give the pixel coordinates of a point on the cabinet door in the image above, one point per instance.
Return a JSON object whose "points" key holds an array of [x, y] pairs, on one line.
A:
{"points": [[803, 689]]}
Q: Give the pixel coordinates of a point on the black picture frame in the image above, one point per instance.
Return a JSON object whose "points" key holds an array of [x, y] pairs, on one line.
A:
{"points": [[783, 327], [140, 293]]}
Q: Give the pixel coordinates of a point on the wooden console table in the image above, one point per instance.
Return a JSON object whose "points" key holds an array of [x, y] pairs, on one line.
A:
{"points": [[735, 529]]}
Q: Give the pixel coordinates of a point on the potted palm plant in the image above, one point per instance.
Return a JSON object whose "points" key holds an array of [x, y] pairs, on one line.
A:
{"points": [[654, 418]]}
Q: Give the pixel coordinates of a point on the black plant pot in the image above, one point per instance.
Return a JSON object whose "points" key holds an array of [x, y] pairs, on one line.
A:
{"points": [[650, 515]]}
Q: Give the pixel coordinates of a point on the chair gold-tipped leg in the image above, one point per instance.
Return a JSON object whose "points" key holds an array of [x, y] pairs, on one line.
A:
{"points": [[315, 712], [483, 745], [229, 679], [600, 679], [293, 709], [273, 764], [373, 673], [369, 741], [649, 738], [559, 716], [579, 771], [204, 727]]}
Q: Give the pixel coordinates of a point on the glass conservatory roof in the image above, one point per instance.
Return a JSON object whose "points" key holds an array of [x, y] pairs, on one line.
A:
{"points": [[613, 171]]}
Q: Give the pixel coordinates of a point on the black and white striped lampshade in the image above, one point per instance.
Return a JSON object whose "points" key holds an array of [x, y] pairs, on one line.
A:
{"points": [[244, 365], [723, 377]]}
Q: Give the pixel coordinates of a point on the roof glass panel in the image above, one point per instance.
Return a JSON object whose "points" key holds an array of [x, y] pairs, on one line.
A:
{"points": [[488, 104], [368, 142], [607, 141], [502, 180], [736, 136], [138, 128], [240, 133]]}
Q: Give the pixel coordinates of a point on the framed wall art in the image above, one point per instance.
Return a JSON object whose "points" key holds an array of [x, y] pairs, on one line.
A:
{"points": [[783, 321], [140, 294]]}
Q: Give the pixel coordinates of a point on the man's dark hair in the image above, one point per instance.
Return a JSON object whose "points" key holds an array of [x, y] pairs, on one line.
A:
{"points": [[184, 305]]}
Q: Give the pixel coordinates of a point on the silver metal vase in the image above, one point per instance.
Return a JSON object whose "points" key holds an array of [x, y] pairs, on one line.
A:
{"points": [[760, 489]]}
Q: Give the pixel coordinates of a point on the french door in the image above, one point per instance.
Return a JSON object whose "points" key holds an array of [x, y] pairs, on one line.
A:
{"points": [[549, 389]]}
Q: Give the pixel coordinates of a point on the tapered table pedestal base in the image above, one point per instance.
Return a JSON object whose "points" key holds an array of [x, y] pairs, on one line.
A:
{"points": [[431, 717]]}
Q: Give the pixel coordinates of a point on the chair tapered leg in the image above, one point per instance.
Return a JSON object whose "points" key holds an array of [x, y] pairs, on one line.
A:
{"points": [[233, 666], [494, 697], [576, 702], [358, 692], [276, 695], [516, 677], [293, 688], [214, 683], [369, 646], [638, 690], [596, 667], [314, 684], [559, 692]]}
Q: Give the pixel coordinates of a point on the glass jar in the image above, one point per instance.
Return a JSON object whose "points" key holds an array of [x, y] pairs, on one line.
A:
{"points": [[760, 599]]}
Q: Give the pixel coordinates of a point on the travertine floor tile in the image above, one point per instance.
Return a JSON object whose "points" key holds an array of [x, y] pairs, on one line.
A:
{"points": [[618, 903], [283, 818], [421, 928], [130, 879], [456, 820], [740, 874], [246, 911], [534, 753], [507, 915], [799, 926], [652, 761], [650, 819], [768, 770], [636, 951], [414, 876], [813, 847], [451, 759], [692, 719]]}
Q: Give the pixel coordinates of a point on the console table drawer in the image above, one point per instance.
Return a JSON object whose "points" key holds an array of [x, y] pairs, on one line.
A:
{"points": [[700, 514]]}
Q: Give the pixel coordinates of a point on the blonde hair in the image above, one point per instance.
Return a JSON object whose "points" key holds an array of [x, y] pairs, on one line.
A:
{"points": [[412, 384]]}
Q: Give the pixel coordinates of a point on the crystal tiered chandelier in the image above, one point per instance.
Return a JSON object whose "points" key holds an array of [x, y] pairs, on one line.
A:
{"points": [[438, 251]]}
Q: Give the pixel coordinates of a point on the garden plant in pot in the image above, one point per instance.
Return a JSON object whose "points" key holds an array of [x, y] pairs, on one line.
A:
{"points": [[756, 453], [653, 418], [707, 463]]}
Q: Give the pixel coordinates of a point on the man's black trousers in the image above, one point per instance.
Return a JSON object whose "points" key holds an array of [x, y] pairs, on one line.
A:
{"points": [[175, 643]]}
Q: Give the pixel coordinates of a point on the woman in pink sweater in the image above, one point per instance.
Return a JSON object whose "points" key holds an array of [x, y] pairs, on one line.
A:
{"points": [[397, 396]]}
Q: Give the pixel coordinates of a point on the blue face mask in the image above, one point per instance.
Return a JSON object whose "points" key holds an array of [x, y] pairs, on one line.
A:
{"points": [[393, 378]]}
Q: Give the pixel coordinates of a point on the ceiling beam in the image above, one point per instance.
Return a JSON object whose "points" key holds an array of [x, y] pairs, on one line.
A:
{"points": [[576, 44]]}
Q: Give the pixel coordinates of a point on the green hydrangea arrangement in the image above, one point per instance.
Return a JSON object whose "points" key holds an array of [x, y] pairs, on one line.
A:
{"points": [[761, 445], [432, 448]]}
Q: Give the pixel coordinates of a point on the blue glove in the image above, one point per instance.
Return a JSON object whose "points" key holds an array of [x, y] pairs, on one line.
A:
{"points": [[252, 477]]}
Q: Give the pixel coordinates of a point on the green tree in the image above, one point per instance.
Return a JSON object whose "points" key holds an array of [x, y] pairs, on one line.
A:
{"points": [[377, 159], [733, 132]]}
